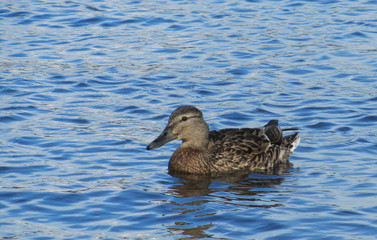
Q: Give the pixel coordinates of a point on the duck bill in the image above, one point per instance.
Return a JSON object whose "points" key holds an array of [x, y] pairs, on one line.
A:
{"points": [[165, 137]]}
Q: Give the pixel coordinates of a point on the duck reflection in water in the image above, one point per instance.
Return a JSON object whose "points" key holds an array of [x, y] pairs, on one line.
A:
{"points": [[205, 152], [242, 182], [243, 190]]}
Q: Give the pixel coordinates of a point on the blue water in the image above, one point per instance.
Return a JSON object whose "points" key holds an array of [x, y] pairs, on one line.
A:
{"points": [[86, 85]]}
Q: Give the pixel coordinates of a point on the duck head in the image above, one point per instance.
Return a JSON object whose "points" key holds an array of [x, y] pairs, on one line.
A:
{"points": [[185, 123]]}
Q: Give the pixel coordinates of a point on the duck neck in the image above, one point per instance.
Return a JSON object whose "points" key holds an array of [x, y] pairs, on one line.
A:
{"points": [[198, 143], [197, 138]]}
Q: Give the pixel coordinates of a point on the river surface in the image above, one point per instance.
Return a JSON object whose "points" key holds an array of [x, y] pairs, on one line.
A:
{"points": [[86, 85]]}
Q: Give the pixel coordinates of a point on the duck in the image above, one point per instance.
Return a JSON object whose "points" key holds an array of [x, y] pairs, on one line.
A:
{"points": [[205, 152]]}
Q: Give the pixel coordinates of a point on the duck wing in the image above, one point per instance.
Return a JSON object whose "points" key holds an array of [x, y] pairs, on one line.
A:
{"points": [[235, 149], [238, 141], [246, 140], [250, 148]]}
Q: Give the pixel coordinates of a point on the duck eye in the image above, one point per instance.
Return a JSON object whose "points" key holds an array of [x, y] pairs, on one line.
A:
{"points": [[184, 118]]}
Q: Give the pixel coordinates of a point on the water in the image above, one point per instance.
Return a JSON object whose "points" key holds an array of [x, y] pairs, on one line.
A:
{"points": [[86, 85]]}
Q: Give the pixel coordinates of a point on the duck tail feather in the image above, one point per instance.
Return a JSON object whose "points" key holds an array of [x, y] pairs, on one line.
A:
{"points": [[292, 141], [290, 129]]}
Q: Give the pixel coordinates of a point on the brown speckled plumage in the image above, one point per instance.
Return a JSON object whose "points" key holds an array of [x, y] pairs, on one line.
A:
{"points": [[210, 152]]}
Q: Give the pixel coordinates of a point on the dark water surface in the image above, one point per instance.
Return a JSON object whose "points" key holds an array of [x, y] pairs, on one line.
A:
{"points": [[86, 85]]}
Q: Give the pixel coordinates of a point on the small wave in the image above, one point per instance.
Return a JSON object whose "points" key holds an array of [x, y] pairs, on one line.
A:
{"points": [[72, 120]]}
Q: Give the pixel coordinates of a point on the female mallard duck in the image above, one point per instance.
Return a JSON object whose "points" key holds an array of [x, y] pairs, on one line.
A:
{"points": [[210, 152]]}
